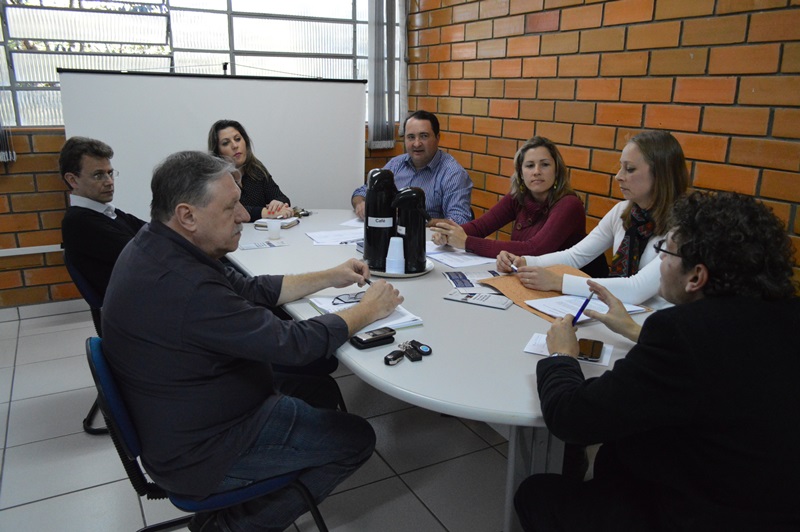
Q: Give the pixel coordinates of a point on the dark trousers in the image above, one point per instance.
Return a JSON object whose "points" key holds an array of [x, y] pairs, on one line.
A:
{"points": [[319, 391], [608, 502], [303, 432]]}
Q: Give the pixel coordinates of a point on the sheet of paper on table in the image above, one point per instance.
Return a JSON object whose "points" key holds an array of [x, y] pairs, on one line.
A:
{"points": [[455, 258], [355, 222], [538, 346], [336, 238], [560, 306], [399, 319]]}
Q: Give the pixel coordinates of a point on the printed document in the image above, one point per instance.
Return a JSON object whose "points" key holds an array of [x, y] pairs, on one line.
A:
{"points": [[560, 306]]}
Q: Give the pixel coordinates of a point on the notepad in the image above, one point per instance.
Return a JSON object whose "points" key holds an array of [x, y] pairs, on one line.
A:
{"points": [[399, 319], [560, 306]]}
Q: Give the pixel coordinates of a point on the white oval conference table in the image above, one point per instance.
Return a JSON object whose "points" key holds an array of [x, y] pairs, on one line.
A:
{"points": [[478, 370]]}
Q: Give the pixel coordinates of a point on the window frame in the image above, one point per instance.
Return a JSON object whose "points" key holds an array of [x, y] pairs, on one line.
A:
{"points": [[235, 57]]}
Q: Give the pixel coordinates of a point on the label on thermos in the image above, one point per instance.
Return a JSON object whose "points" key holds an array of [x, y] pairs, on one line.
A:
{"points": [[379, 222], [401, 230]]}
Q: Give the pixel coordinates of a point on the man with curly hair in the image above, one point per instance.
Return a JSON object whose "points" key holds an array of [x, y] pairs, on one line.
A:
{"points": [[698, 421]]}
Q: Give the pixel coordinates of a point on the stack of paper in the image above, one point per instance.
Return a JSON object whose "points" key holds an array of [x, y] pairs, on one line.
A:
{"points": [[560, 306], [399, 319]]}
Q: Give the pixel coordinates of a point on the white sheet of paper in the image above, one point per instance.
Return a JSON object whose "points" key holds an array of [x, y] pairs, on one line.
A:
{"points": [[455, 258], [537, 345], [355, 222], [336, 238], [399, 319], [560, 306]]}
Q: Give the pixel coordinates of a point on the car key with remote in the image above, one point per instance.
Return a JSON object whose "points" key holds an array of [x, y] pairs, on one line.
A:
{"points": [[422, 349], [394, 357], [412, 354]]}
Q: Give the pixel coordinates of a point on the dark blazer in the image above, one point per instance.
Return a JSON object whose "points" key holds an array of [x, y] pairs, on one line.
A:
{"points": [[703, 412], [256, 193], [94, 241]]}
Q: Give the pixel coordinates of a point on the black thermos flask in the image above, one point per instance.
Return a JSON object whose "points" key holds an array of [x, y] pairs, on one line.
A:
{"points": [[412, 218], [379, 217]]}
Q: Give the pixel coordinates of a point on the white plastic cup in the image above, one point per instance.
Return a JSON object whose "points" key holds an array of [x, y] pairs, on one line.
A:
{"points": [[274, 227], [395, 259]]}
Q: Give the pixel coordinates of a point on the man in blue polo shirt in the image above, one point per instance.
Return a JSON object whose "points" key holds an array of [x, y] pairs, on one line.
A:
{"points": [[446, 184]]}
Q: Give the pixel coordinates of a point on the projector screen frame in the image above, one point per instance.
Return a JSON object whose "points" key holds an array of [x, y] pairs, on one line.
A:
{"points": [[309, 133]]}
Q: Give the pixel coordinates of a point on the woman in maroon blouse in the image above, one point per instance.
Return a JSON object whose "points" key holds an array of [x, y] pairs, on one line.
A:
{"points": [[546, 214]]}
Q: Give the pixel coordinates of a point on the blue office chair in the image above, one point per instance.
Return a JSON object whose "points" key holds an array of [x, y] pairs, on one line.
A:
{"points": [[95, 305], [126, 440]]}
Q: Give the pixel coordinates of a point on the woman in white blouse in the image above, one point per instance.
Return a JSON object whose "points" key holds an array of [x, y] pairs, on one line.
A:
{"points": [[652, 176]]}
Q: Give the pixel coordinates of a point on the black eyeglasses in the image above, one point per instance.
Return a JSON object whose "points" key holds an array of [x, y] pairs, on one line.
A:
{"points": [[347, 299], [661, 248]]}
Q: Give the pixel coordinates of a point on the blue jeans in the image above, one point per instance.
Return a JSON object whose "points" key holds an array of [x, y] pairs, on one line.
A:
{"points": [[328, 444]]}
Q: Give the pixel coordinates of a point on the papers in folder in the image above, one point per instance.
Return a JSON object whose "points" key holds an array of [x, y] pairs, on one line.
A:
{"points": [[399, 319], [560, 306]]}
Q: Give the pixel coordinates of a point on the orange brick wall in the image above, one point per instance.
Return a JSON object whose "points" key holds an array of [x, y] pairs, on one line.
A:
{"points": [[32, 202], [722, 75]]}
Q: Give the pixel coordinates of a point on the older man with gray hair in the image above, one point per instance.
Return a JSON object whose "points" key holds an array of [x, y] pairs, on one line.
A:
{"points": [[191, 343]]}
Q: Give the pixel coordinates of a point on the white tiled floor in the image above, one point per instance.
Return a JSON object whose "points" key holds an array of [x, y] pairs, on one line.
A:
{"points": [[430, 472]]}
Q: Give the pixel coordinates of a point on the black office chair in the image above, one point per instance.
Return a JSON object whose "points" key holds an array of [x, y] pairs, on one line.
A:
{"points": [[126, 441], [95, 305]]}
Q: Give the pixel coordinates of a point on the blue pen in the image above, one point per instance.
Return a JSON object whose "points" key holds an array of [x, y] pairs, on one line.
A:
{"points": [[583, 307]]}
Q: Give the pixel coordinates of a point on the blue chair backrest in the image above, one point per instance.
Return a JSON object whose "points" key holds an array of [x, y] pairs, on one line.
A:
{"points": [[87, 291], [110, 400]]}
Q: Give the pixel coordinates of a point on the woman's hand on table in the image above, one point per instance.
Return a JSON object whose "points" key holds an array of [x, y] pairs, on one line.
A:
{"points": [[277, 209], [537, 278], [449, 232], [506, 259]]}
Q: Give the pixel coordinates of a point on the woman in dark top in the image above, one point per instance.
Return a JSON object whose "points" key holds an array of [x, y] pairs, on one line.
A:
{"points": [[261, 195], [543, 210]]}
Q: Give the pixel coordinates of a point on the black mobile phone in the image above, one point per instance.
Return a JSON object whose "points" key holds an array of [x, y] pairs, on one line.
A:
{"points": [[373, 338]]}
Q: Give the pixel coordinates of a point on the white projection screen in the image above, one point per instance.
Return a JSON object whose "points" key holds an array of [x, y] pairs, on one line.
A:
{"points": [[309, 133]]}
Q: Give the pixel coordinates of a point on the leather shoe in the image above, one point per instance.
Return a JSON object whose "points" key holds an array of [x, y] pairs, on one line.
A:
{"points": [[204, 522]]}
